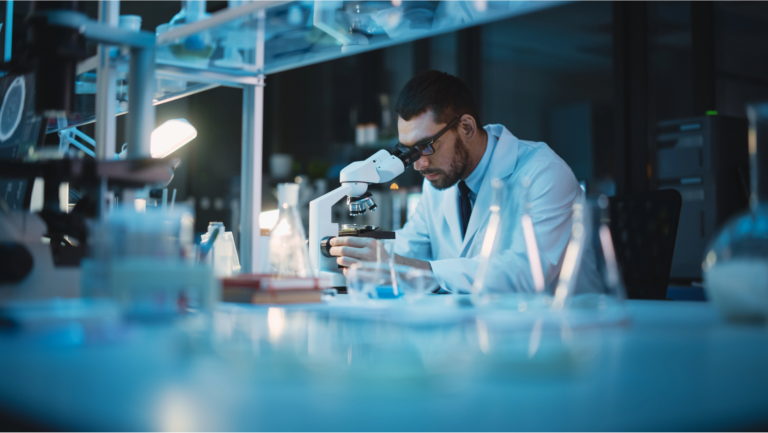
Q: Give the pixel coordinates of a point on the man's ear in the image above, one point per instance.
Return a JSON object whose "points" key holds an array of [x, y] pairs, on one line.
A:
{"points": [[467, 127]]}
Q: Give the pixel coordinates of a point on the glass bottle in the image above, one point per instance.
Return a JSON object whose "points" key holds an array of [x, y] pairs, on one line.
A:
{"points": [[288, 252], [735, 266]]}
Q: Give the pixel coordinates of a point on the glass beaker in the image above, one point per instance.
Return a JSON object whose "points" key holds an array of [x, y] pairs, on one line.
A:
{"points": [[288, 252], [589, 279], [735, 266]]}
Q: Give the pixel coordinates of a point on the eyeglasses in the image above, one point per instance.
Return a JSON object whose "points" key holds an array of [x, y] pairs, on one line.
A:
{"points": [[425, 146]]}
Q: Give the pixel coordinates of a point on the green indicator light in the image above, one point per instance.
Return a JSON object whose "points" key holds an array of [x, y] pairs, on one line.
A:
{"points": [[711, 113]]}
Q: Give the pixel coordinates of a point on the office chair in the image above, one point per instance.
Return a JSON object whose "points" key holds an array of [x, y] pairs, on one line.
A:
{"points": [[644, 228]]}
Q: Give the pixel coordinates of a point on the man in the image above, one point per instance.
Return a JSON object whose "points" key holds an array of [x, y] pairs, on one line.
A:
{"points": [[459, 159]]}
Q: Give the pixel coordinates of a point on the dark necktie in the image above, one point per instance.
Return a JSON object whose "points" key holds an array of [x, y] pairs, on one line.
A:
{"points": [[465, 207]]}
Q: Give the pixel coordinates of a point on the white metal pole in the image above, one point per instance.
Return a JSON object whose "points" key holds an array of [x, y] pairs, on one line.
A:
{"points": [[252, 149], [106, 93], [106, 76], [141, 92]]}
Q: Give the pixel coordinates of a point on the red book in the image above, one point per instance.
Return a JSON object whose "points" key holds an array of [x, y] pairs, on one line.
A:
{"points": [[269, 289]]}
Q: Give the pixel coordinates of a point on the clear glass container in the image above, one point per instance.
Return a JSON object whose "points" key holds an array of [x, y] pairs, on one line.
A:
{"points": [[288, 252], [493, 285], [381, 280], [144, 260], [735, 266], [589, 279]]}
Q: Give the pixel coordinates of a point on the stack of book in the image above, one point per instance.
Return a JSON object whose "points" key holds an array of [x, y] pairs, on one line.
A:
{"points": [[269, 289]]}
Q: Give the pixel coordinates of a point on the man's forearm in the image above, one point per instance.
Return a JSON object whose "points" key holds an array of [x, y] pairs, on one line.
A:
{"points": [[415, 263]]}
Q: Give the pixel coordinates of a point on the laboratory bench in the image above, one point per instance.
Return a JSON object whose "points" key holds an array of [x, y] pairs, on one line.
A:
{"points": [[671, 365]]}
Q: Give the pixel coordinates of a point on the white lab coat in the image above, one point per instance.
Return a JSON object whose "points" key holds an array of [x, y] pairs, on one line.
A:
{"points": [[433, 230]]}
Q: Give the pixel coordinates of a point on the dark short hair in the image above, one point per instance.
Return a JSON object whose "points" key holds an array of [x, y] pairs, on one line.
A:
{"points": [[447, 96]]}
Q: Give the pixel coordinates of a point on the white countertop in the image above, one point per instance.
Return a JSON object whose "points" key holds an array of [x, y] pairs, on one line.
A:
{"points": [[674, 366]]}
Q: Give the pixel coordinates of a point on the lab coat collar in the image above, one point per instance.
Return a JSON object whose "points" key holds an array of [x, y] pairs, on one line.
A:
{"points": [[503, 162], [475, 179], [505, 156]]}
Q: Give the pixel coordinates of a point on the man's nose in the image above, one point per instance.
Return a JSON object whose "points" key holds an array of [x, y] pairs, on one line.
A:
{"points": [[421, 163]]}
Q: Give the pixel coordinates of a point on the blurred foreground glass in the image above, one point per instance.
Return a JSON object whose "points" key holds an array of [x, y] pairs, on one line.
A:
{"points": [[493, 285], [146, 261], [589, 278], [736, 263], [367, 281], [288, 253]]}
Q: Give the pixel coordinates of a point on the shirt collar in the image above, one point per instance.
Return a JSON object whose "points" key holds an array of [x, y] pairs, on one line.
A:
{"points": [[475, 180]]}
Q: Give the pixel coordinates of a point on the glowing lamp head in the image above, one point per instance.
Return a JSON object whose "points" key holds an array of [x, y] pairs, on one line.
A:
{"points": [[170, 136]]}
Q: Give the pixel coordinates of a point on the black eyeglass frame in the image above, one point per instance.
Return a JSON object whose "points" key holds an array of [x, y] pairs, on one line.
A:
{"points": [[425, 146]]}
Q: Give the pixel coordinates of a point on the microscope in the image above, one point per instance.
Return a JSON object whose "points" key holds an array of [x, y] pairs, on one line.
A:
{"points": [[380, 167]]}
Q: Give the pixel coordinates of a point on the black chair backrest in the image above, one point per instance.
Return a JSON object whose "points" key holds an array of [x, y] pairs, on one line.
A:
{"points": [[644, 228]]}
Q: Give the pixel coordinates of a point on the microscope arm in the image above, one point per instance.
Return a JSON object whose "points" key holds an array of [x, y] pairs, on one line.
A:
{"points": [[320, 224], [380, 167]]}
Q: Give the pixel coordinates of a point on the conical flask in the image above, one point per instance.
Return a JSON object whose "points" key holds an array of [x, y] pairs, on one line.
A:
{"points": [[589, 279], [494, 284], [288, 253], [736, 263]]}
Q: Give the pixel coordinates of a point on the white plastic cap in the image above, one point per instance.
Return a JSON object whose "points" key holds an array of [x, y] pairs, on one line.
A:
{"points": [[130, 22], [288, 193]]}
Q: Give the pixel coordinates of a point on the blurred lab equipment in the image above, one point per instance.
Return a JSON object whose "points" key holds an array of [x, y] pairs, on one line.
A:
{"points": [[197, 47], [222, 252], [736, 262], [55, 48], [644, 228], [491, 287], [366, 134], [288, 255], [130, 22], [280, 165], [57, 35], [194, 50], [706, 159], [385, 280], [57, 240], [146, 262], [381, 167], [589, 279], [237, 37]]}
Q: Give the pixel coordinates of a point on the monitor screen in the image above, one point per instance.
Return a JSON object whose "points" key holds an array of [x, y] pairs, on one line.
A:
{"points": [[19, 131]]}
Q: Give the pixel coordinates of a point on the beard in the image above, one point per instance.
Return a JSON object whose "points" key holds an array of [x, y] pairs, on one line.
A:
{"points": [[459, 162]]}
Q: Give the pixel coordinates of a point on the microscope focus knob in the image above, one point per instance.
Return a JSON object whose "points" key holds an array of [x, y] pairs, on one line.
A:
{"points": [[15, 262], [325, 246]]}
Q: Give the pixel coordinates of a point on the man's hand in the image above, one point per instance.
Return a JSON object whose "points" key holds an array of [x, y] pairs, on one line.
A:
{"points": [[351, 249]]}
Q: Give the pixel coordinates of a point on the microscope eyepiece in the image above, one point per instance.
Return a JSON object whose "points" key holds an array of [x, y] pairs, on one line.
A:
{"points": [[407, 154]]}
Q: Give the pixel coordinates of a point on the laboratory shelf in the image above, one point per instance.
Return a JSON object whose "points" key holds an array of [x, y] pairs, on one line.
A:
{"points": [[302, 33], [223, 49], [85, 106]]}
